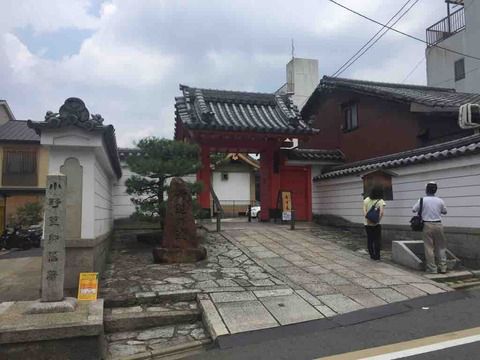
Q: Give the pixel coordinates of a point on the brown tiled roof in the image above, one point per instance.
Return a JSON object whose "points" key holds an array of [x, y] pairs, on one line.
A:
{"points": [[465, 146], [440, 98], [18, 131], [208, 109]]}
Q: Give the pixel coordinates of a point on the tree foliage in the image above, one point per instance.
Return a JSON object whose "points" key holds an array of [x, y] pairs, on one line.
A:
{"points": [[28, 214], [158, 161]]}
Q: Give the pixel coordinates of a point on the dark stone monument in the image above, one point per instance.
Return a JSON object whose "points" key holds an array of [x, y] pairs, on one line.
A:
{"points": [[180, 242]]}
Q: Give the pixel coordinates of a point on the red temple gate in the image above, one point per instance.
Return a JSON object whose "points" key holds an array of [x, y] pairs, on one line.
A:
{"points": [[243, 122]]}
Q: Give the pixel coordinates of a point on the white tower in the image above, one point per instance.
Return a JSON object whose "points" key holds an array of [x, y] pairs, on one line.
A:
{"points": [[302, 79]]}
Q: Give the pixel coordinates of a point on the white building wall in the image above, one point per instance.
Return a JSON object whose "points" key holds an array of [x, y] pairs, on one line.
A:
{"points": [[302, 79], [237, 187], [103, 201], [458, 181], [440, 63]]}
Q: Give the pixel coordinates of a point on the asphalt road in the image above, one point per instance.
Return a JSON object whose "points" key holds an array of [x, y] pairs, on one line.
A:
{"points": [[20, 274], [364, 329]]}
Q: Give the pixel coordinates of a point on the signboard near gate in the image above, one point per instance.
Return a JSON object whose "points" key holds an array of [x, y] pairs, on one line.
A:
{"points": [[284, 204], [88, 286]]}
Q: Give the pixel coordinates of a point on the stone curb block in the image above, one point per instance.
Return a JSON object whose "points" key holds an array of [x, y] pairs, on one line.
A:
{"points": [[134, 321], [152, 298], [211, 318], [170, 351]]}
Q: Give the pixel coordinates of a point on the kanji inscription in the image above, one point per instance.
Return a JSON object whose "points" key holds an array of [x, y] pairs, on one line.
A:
{"points": [[53, 262]]}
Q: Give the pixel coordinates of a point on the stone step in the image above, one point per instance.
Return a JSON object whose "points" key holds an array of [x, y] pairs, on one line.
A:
{"points": [[451, 276], [112, 300], [142, 317], [163, 342], [466, 284]]}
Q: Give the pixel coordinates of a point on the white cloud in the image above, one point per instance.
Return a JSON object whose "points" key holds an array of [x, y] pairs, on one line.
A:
{"points": [[129, 68], [47, 15], [20, 59]]}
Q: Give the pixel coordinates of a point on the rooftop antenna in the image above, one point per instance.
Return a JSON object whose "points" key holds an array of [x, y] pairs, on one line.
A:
{"points": [[293, 49]]}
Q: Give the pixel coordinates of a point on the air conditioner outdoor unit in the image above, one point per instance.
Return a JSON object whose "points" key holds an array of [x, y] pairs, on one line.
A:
{"points": [[469, 116]]}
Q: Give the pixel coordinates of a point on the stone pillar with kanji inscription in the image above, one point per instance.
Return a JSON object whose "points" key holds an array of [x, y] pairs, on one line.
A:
{"points": [[53, 259], [180, 241]]}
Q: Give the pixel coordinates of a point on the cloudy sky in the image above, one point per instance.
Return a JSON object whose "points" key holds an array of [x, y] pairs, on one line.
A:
{"points": [[126, 58]]}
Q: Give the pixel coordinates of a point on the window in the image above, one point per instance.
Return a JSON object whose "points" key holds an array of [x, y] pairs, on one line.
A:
{"points": [[224, 176], [378, 178], [459, 69], [19, 168], [350, 117]]}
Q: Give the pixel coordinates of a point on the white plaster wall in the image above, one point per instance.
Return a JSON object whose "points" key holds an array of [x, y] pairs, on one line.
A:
{"points": [[440, 63], [237, 187], [458, 181], [122, 205], [121, 202], [98, 175], [103, 188], [57, 157]]}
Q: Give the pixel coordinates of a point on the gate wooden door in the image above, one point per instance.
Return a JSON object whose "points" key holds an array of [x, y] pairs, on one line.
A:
{"points": [[297, 179]]}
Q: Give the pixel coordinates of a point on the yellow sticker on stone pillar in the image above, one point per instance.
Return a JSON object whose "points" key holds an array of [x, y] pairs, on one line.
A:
{"points": [[88, 286]]}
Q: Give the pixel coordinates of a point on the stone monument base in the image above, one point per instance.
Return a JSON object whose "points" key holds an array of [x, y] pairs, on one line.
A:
{"points": [[177, 255], [66, 305], [71, 335]]}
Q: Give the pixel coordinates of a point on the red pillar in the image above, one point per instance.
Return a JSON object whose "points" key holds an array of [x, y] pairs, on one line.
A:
{"points": [[309, 193], [269, 180], [204, 175]]}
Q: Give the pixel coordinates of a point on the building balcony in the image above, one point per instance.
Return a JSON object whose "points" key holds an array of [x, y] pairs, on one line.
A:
{"points": [[446, 27]]}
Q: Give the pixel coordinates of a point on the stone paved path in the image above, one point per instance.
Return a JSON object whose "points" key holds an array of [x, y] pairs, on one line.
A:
{"points": [[326, 275], [266, 275]]}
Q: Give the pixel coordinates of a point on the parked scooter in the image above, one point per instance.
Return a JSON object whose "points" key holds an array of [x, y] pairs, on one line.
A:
{"points": [[34, 233], [18, 238]]}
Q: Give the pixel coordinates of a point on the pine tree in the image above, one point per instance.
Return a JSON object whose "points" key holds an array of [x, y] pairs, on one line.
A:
{"points": [[158, 161]]}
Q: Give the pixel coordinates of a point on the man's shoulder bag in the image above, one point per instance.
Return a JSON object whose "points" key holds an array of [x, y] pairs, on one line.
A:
{"points": [[416, 222], [373, 214]]}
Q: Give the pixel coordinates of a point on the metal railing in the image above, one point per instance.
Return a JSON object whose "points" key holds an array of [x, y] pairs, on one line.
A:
{"points": [[235, 208], [217, 209], [446, 27]]}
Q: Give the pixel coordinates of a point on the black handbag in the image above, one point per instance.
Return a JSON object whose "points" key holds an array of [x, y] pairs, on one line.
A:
{"points": [[416, 222], [373, 214]]}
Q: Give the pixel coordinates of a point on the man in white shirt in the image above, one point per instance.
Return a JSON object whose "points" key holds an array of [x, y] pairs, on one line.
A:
{"points": [[433, 237]]}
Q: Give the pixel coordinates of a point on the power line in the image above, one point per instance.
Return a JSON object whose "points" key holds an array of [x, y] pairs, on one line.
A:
{"points": [[413, 70], [339, 71], [401, 32], [371, 39], [376, 40]]}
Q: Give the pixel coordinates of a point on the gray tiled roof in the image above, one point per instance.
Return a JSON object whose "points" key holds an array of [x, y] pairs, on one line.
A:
{"points": [[207, 109], [123, 153], [18, 131], [465, 146], [74, 113], [315, 155], [429, 96]]}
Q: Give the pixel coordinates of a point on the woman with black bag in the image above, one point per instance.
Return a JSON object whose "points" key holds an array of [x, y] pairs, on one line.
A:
{"points": [[373, 209]]}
